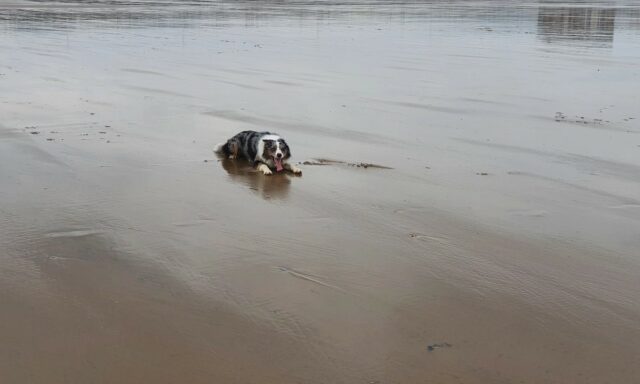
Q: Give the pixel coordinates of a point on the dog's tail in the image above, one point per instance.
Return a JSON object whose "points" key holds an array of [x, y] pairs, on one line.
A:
{"points": [[219, 149]]}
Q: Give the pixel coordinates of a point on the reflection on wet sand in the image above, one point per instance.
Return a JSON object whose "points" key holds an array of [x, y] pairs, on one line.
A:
{"points": [[241, 171], [594, 25], [104, 315]]}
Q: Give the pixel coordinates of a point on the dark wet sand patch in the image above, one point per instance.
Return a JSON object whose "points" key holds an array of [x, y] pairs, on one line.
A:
{"points": [[146, 72], [158, 91], [105, 316], [427, 107]]}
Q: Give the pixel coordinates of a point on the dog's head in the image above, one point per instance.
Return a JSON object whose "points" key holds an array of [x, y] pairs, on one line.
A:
{"points": [[277, 151]]}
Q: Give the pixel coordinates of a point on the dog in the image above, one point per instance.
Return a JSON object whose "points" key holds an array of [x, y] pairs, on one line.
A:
{"points": [[265, 150]]}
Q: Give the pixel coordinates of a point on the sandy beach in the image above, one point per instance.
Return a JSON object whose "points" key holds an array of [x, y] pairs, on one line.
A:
{"points": [[495, 239]]}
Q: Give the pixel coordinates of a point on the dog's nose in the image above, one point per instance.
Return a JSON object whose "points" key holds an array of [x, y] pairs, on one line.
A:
{"points": [[278, 155]]}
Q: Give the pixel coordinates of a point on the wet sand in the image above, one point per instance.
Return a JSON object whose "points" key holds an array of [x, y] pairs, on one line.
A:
{"points": [[496, 243]]}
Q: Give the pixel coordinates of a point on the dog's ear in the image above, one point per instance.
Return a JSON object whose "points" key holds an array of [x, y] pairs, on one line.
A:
{"points": [[268, 142], [285, 148]]}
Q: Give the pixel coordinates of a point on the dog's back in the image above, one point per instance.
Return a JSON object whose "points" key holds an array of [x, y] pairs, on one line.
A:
{"points": [[244, 144]]}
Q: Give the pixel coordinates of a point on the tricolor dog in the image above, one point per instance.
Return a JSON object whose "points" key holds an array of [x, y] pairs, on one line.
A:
{"points": [[265, 150]]}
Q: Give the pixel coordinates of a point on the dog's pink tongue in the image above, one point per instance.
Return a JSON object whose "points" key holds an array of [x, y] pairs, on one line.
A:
{"points": [[279, 166]]}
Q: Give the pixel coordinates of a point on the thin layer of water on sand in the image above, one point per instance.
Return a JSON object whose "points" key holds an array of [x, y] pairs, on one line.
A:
{"points": [[489, 235]]}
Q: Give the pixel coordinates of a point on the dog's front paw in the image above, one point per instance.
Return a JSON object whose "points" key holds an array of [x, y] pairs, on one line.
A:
{"points": [[293, 169], [264, 169]]}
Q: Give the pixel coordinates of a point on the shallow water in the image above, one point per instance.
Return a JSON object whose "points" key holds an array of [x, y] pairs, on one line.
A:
{"points": [[507, 228]]}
